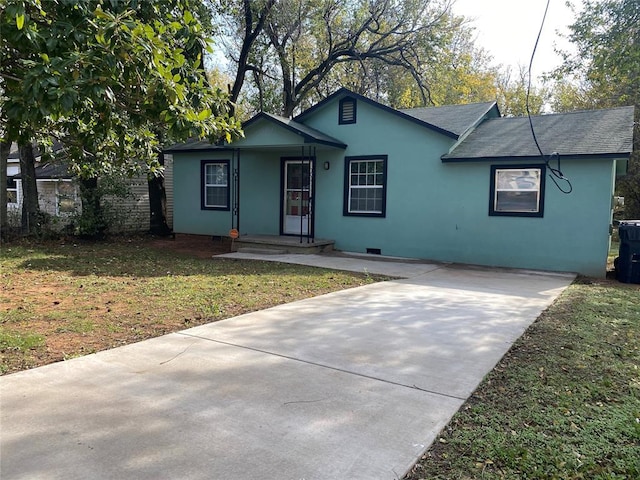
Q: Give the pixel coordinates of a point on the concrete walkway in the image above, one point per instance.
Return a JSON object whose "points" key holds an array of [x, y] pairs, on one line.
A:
{"points": [[351, 385]]}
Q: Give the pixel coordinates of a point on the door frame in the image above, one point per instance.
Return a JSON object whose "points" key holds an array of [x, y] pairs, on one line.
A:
{"points": [[309, 160]]}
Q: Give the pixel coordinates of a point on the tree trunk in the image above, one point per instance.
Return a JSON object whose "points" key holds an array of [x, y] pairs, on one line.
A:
{"points": [[158, 204], [252, 28], [92, 223], [629, 185], [31, 216], [5, 148]]}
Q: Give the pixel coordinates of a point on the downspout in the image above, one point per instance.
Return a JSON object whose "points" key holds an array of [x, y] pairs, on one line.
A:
{"points": [[236, 179], [312, 194], [301, 193]]}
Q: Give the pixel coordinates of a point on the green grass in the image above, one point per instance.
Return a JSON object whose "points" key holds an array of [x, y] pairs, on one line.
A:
{"points": [[85, 297], [564, 403], [17, 343]]}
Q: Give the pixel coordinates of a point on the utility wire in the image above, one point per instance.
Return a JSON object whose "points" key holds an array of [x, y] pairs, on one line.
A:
{"points": [[554, 173]]}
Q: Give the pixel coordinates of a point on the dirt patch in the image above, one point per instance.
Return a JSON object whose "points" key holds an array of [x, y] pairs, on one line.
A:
{"points": [[66, 298], [199, 246]]}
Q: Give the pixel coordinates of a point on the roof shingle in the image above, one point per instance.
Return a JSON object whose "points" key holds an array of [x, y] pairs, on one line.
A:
{"points": [[589, 132], [453, 118]]}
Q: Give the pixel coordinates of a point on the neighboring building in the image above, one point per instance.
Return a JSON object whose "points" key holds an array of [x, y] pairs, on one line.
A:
{"points": [[59, 195], [451, 184]]}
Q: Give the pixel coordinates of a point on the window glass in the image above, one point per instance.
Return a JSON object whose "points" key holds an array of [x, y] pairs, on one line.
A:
{"points": [[216, 185], [366, 186], [517, 191], [12, 191], [66, 197]]}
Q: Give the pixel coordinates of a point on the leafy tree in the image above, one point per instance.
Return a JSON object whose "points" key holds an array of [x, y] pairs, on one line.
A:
{"points": [[288, 55], [453, 70], [248, 17], [604, 71], [297, 44], [570, 94], [110, 79], [512, 94], [461, 72]]}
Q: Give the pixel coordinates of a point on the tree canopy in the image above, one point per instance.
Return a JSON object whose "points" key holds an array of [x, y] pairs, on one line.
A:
{"points": [[109, 79], [289, 54], [105, 76], [604, 71]]}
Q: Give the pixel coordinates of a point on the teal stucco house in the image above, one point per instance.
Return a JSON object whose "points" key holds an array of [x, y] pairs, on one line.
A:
{"points": [[452, 184]]}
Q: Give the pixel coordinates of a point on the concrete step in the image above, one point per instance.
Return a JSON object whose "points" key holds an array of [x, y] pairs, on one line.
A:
{"points": [[262, 251]]}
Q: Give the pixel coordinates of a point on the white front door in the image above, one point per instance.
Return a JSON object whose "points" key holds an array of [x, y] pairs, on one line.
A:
{"points": [[297, 196]]}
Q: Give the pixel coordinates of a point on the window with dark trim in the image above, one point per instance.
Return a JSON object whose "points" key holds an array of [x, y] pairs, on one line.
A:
{"points": [[517, 190], [347, 111], [365, 186], [12, 191], [215, 185]]}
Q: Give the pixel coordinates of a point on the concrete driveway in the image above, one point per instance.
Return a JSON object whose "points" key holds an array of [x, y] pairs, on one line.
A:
{"points": [[351, 385]]}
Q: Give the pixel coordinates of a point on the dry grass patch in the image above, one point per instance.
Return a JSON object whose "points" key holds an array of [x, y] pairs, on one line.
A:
{"points": [[61, 300]]}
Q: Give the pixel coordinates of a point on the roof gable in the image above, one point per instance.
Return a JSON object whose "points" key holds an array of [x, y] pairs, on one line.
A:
{"points": [[284, 132], [584, 133], [455, 118], [452, 121], [308, 134]]}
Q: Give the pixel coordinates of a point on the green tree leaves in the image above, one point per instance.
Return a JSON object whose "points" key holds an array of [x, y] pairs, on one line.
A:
{"points": [[102, 75], [604, 72], [20, 21], [293, 53]]}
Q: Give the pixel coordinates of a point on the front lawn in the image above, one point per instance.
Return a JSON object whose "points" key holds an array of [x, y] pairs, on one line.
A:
{"points": [[60, 300], [564, 402]]}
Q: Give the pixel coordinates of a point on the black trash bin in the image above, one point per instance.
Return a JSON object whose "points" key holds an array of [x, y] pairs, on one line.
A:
{"points": [[628, 261]]}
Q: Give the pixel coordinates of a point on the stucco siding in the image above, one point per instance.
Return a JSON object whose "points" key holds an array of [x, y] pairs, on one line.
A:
{"points": [[414, 185], [188, 217], [434, 210], [267, 135], [260, 193], [439, 211], [573, 234]]}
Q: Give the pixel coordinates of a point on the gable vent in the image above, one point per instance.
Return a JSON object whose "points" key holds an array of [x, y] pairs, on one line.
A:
{"points": [[347, 111]]}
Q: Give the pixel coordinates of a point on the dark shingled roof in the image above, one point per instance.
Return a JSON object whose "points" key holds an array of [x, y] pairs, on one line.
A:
{"points": [[192, 145], [593, 132], [14, 152], [51, 171], [452, 118]]}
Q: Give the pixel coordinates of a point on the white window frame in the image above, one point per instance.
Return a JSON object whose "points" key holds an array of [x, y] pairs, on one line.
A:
{"points": [[206, 186], [517, 179], [15, 193], [349, 187]]}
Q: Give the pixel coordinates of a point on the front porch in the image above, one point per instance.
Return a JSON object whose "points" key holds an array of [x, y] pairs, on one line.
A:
{"points": [[281, 244]]}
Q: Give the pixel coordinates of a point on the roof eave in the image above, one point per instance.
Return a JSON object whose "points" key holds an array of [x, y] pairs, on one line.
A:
{"points": [[357, 96], [217, 148], [308, 139], [584, 156]]}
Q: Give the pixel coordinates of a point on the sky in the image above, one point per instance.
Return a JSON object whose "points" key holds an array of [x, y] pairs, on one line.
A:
{"points": [[507, 29]]}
